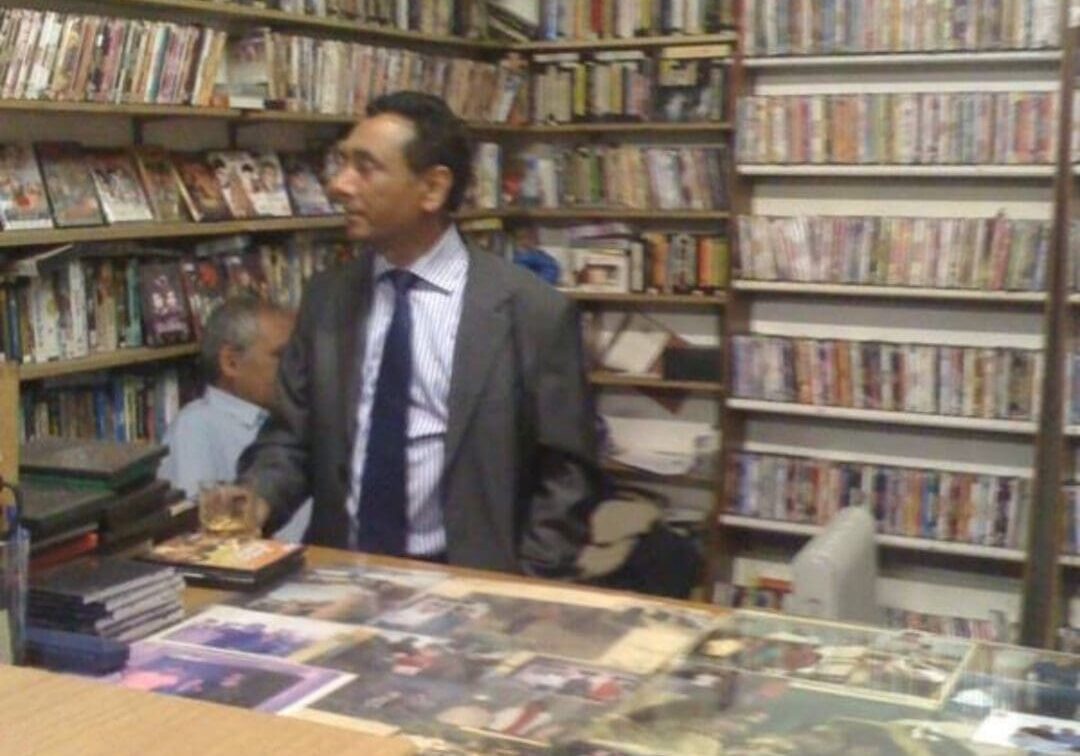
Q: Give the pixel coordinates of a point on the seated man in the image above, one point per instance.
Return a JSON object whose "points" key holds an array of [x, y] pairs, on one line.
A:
{"points": [[241, 345]]}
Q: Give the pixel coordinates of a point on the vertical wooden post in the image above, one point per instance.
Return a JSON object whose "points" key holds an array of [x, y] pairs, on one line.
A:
{"points": [[9, 422], [1041, 601], [720, 544]]}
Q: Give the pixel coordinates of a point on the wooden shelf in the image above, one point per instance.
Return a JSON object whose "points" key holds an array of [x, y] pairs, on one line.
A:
{"points": [[105, 361], [987, 425], [646, 300], [900, 171], [202, 9], [632, 473], [630, 43], [286, 116], [853, 60], [241, 115], [908, 543], [883, 460], [125, 231], [889, 292], [650, 128], [602, 378], [134, 110], [575, 213]]}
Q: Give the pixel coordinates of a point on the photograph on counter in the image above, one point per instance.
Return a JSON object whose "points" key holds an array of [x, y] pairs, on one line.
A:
{"points": [[229, 628], [451, 660], [219, 677], [592, 684], [1023, 680], [1031, 733], [903, 665], [629, 635], [351, 595], [698, 711]]}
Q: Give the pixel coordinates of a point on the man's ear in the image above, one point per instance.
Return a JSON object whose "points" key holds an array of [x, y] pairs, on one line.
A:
{"points": [[229, 361], [438, 181]]}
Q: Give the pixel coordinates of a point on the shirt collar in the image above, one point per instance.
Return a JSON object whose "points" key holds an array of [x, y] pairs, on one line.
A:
{"points": [[251, 415], [443, 266]]}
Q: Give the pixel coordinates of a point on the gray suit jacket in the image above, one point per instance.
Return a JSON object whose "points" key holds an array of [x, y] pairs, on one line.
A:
{"points": [[520, 474]]}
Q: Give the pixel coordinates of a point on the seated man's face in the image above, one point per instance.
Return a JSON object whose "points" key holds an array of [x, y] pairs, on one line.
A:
{"points": [[256, 368]]}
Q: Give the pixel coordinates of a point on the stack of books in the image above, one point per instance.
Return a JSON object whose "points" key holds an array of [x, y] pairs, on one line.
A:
{"points": [[83, 495], [113, 598]]}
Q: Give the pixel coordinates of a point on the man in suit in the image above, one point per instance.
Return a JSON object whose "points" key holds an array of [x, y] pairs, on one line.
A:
{"points": [[433, 399]]}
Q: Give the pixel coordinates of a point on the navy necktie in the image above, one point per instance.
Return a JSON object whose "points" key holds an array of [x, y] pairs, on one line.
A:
{"points": [[382, 512]]}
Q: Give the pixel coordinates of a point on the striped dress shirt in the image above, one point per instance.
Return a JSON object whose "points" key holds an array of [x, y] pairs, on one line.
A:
{"points": [[435, 300]]}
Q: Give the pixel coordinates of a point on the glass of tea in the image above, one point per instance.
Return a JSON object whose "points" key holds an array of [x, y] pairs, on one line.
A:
{"points": [[227, 510]]}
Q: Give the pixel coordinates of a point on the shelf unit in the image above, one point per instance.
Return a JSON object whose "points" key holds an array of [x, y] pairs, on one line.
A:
{"points": [[693, 301], [625, 472], [633, 43], [1027, 172], [620, 380], [202, 10], [238, 17], [953, 422], [860, 60], [605, 128], [105, 361], [810, 309], [856, 291], [593, 213], [907, 543], [129, 231]]}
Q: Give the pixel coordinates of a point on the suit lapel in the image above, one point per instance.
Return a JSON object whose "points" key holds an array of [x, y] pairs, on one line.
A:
{"points": [[352, 307], [485, 323]]}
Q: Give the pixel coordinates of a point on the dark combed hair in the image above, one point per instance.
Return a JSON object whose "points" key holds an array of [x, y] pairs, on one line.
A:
{"points": [[441, 137]]}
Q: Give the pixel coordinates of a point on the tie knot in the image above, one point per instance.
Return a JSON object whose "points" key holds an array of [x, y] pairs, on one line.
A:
{"points": [[401, 280]]}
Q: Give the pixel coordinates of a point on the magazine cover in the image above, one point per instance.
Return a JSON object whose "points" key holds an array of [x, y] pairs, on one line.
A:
{"points": [[166, 319], [118, 187], [245, 276], [162, 184], [70, 185], [305, 189], [233, 554], [23, 203], [200, 188], [266, 182], [204, 287], [351, 595], [230, 628], [691, 83], [234, 171], [249, 682]]}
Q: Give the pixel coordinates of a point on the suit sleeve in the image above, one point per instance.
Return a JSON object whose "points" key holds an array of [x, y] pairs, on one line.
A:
{"points": [[276, 464], [565, 472]]}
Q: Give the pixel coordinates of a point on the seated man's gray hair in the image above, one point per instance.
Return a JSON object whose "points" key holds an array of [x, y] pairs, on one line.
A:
{"points": [[234, 323]]}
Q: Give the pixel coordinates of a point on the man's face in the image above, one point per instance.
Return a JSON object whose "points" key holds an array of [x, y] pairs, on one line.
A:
{"points": [[381, 195], [254, 371]]}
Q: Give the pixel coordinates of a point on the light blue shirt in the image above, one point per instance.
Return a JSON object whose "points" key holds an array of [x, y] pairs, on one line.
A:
{"points": [[205, 441], [435, 301]]}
